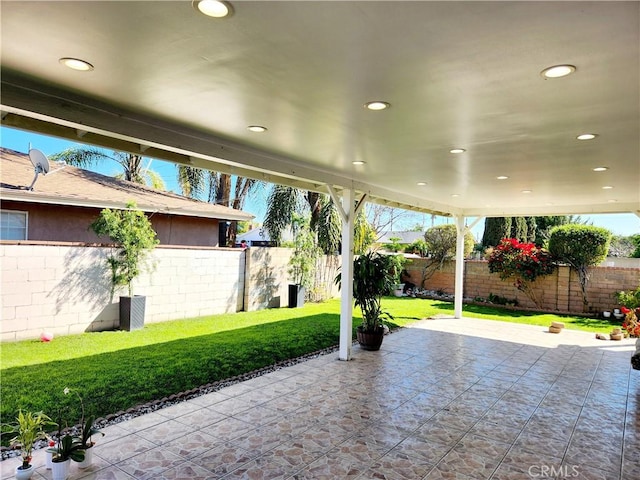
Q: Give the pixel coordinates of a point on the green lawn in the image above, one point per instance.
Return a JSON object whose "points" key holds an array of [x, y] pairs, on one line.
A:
{"points": [[117, 370]]}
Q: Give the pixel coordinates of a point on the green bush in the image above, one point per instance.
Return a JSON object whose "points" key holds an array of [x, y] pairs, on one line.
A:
{"points": [[419, 247], [629, 299], [580, 247], [134, 237]]}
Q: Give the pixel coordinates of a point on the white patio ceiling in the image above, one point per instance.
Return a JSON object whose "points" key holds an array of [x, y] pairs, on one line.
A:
{"points": [[174, 84]]}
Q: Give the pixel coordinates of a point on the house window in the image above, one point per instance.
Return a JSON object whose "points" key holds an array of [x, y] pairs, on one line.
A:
{"points": [[13, 225]]}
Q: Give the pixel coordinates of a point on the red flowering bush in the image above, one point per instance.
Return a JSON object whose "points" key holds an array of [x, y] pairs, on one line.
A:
{"points": [[524, 262]]}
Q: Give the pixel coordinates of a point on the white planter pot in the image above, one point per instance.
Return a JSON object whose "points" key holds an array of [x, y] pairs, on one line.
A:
{"points": [[24, 473], [60, 470], [49, 457], [88, 459]]}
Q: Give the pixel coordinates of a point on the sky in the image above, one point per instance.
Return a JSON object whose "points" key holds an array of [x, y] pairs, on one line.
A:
{"points": [[21, 141]]}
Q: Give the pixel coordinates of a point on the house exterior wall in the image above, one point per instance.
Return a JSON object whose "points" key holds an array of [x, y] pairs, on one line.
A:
{"points": [[61, 223], [557, 292]]}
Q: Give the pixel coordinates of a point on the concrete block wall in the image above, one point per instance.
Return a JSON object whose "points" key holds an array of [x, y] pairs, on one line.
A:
{"points": [[66, 289], [559, 292], [267, 274]]}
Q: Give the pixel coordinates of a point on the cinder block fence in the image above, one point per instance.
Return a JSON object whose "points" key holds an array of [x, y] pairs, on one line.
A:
{"points": [[64, 288], [559, 292]]}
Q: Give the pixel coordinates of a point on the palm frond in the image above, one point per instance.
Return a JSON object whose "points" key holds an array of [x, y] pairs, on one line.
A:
{"points": [[282, 203], [80, 157]]}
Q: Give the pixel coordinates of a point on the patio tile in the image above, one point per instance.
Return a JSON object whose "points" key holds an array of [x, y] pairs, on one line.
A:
{"points": [[495, 409], [148, 465], [331, 467], [192, 444], [124, 448], [200, 418], [420, 448], [227, 429], [262, 469], [109, 473], [186, 471], [397, 466], [468, 463], [222, 460]]}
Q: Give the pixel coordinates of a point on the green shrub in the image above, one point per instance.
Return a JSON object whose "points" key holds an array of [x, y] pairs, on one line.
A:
{"points": [[580, 247], [441, 246], [419, 247], [134, 238], [629, 299]]}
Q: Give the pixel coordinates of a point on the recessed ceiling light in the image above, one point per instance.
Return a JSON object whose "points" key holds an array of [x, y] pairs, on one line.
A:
{"points": [[455, 195], [213, 8], [256, 128], [502, 177], [601, 169], [607, 187], [612, 201], [421, 184], [358, 162], [76, 64], [558, 71], [457, 150], [377, 105], [526, 191], [587, 136]]}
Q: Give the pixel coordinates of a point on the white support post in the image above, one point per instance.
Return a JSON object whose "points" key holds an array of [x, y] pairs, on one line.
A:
{"points": [[346, 272], [459, 279]]}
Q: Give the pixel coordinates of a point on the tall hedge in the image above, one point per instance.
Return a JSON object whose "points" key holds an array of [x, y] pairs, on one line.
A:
{"points": [[580, 247], [495, 229], [519, 228]]}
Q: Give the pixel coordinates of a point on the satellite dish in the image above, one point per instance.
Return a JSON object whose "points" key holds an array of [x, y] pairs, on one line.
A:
{"points": [[40, 164]]}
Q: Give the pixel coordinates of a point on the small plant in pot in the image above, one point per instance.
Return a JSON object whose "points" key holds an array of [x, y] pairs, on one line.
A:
{"points": [[67, 448], [87, 431], [371, 280], [134, 238], [29, 428]]}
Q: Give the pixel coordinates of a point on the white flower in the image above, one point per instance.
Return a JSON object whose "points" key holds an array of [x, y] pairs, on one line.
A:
{"points": [[66, 390]]}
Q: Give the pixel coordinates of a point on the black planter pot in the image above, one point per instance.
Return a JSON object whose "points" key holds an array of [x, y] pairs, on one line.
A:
{"points": [[132, 312], [296, 295], [370, 340]]}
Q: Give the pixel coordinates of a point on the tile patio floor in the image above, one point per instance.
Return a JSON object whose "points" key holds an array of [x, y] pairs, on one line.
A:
{"points": [[443, 399]]}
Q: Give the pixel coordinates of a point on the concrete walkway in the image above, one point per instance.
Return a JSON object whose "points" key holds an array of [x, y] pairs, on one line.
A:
{"points": [[443, 399]]}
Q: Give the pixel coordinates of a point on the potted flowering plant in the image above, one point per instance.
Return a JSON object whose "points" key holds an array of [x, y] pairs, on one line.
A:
{"points": [[28, 428], [87, 430], [67, 448]]}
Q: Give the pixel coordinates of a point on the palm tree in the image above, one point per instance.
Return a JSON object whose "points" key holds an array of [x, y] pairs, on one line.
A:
{"points": [[216, 187], [131, 164], [284, 203]]}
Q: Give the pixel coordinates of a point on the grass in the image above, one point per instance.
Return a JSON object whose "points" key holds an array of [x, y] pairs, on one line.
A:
{"points": [[113, 371]]}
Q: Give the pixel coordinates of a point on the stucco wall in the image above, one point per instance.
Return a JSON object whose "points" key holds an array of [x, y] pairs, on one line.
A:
{"points": [[60, 223], [557, 292]]}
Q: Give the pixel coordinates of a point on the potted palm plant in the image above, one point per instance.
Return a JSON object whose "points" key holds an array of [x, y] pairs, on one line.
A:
{"points": [[134, 238], [371, 280], [28, 428]]}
